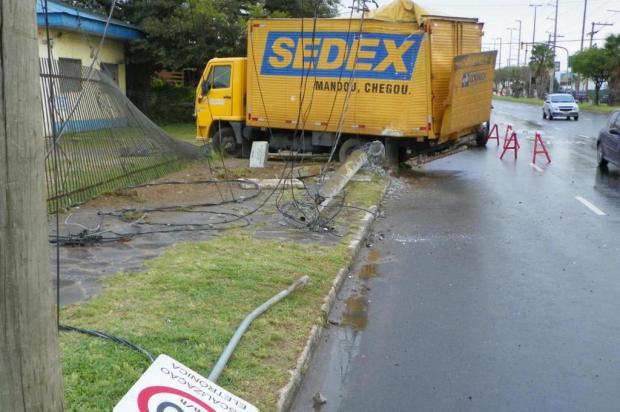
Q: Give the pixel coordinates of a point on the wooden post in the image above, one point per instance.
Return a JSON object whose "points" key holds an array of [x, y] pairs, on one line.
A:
{"points": [[30, 378]]}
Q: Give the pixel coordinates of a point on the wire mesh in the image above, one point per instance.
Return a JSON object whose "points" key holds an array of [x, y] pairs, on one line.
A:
{"points": [[105, 143]]}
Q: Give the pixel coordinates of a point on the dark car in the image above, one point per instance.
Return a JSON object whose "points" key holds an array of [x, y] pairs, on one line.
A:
{"points": [[608, 143]]}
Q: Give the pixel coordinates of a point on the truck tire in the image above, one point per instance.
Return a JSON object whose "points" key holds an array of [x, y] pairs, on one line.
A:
{"points": [[348, 147], [224, 141], [394, 156], [482, 136], [246, 148]]}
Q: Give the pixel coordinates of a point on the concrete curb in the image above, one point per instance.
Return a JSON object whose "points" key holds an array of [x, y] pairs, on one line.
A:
{"points": [[288, 392]]}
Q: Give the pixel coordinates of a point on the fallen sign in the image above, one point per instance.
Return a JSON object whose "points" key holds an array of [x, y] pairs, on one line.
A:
{"points": [[168, 385]]}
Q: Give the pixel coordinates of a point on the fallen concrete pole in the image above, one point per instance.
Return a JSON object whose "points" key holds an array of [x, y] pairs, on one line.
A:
{"points": [[346, 171]]}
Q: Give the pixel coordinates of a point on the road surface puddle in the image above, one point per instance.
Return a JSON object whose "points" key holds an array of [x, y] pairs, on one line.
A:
{"points": [[356, 312], [369, 270]]}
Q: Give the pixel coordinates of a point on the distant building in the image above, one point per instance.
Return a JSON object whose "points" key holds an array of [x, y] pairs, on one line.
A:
{"points": [[75, 35]]}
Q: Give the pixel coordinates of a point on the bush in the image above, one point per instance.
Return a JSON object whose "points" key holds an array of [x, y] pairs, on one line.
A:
{"points": [[168, 103]]}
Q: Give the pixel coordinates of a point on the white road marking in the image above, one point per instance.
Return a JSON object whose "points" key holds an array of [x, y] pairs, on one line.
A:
{"points": [[538, 168], [586, 137], [590, 206]]}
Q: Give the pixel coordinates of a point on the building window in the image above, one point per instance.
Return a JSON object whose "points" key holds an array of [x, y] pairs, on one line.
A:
{"points": [[110, 70], [71, 75]]}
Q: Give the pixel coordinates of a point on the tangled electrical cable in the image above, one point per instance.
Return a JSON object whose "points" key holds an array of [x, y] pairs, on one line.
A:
{"points": [[89, 236]]}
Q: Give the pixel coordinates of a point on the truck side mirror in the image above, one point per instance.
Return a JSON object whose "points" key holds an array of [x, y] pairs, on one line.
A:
{"points": [[206, 86]]}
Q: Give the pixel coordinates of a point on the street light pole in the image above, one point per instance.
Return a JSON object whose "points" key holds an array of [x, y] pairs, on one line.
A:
{"points": [[500, 52], [519, 45], [510, 45], [535, 6]]}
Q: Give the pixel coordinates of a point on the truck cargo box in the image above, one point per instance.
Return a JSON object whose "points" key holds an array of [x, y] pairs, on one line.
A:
{"points": [[360, 76]]}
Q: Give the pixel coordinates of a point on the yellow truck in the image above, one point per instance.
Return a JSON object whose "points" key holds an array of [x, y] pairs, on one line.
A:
{"points": [[416, 81]]}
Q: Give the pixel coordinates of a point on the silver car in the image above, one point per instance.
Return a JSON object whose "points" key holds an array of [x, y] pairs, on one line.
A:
{"points": [[560, 105]]}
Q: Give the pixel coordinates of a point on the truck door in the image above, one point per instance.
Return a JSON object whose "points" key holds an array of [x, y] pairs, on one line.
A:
{"points": [[215, 96]]}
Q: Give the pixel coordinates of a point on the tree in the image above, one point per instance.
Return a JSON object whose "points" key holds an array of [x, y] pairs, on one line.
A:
{"points": [[514, 77], [30, 378], [612, 45], [596, 64], [541, 64]]}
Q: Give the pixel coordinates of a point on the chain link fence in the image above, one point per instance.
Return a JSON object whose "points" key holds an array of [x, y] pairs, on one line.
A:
{"points": [[96, 140]]}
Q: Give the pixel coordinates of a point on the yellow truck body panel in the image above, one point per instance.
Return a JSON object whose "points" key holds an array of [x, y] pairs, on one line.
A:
{"points": [[449, 38], [366, 77], [470, 93]]}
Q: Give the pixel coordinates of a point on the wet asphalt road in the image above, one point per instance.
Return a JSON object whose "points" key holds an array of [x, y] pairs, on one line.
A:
{"points": [[487, 286]]}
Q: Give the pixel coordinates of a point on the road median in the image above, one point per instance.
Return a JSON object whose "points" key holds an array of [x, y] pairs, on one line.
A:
{"points": [[189, 301]]}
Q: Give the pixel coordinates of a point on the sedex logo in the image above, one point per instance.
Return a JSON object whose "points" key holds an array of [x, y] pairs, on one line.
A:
{"points": [[335, 54]]}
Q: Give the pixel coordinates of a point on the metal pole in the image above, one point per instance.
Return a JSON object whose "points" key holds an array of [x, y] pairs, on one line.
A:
{"points": [[500, 52], [510, 47], [536, 6], [555, 39], [519, 45], [245, 324]]}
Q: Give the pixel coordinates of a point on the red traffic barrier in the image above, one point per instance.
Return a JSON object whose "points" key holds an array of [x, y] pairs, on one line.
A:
{"points": [[508, 133], [540, 148], [494, 133], [511, 144]]}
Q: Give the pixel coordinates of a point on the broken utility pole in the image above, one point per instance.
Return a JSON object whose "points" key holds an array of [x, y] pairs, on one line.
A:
{"points": [[30, 378]]}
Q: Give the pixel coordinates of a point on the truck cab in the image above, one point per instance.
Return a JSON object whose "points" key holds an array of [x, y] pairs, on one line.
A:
{"points": [[220, 104]]}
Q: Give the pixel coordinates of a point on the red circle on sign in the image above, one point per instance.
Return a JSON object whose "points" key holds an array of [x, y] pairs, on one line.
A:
{"points": [[148, 393]]}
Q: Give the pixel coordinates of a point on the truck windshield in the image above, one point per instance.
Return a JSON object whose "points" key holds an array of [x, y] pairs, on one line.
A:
{"points": [[562, 99]]}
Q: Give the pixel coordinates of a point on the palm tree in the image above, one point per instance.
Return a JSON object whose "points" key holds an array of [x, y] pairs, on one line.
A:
{"points": [[541, 62]]}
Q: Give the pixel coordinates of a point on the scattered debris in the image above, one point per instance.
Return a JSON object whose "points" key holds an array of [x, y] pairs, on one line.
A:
{"points": [[319, 399], [272, 183]]}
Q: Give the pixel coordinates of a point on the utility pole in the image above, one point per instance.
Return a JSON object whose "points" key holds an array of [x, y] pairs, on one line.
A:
{"points": [[535, 6], [583, 32], [500, 51], [555, 40], [511, 29], [594, 31], [519, 49], [30, 379]]}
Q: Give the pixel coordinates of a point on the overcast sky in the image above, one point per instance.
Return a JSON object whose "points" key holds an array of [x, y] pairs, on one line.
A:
{"points": [[499, 15]]}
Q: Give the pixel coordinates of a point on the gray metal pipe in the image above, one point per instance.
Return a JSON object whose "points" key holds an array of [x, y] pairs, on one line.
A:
{"points": [[230, 348]]}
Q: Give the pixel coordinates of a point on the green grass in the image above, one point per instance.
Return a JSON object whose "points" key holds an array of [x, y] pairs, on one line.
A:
{"points": [[588, 107], [188, 304], [181, 131]]}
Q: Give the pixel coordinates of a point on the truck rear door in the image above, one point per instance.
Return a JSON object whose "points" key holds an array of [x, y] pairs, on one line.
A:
{"points": [[470, 93]]}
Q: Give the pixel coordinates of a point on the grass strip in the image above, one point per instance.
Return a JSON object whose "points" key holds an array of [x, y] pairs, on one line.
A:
{"points": [[182, 131], [188, 304]]}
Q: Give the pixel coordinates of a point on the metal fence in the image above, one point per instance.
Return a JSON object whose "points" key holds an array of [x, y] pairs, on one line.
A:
{"points": [[103, 142]]}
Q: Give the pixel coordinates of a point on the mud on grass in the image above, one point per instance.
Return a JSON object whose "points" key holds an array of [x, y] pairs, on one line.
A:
{"points": [[188, 305]]}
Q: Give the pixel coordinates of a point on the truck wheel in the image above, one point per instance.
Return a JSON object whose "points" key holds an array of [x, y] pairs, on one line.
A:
{"points": [[482, 136], [348, 147], [224, 141]]}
